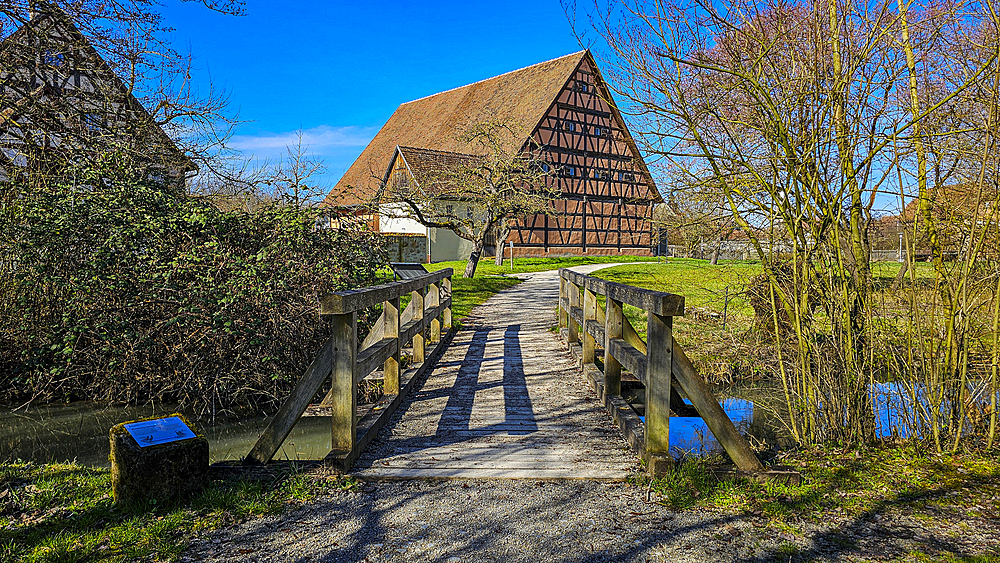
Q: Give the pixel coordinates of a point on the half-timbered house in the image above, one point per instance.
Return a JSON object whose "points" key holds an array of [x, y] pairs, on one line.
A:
{"points": [[607, 192], [61, 103]]}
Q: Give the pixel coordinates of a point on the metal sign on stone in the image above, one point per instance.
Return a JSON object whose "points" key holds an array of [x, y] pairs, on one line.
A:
{"points": [[159, 431], [408, 271]]}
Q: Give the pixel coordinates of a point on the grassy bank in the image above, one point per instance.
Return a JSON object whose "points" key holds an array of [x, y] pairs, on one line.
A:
{"points": [[856, 482], [62, 512], [715, 332], [883, 490]]}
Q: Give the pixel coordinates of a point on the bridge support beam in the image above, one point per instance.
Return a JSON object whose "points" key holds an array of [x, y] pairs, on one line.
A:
{"points": [[446, 297], [344, 390], [589, 314], [613, 318], [434, 299], [417, 298], [390, 314], [659, 333]]}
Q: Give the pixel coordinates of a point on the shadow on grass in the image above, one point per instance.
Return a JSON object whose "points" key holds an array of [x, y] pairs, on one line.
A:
{"points": [[859, 495]]}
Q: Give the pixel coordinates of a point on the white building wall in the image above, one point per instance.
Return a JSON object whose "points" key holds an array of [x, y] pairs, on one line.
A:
{"points": [[443, 244], [392, 219]]}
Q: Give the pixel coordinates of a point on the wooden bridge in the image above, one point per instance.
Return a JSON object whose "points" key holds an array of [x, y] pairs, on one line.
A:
{"points": [[506, 396]]}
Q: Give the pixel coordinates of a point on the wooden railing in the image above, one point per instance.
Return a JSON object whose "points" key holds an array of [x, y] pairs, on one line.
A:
{"points": [[426, 317], [659, 363]]}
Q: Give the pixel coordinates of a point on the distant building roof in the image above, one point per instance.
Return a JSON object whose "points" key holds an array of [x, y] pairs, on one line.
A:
{"points": [[436, 123]]}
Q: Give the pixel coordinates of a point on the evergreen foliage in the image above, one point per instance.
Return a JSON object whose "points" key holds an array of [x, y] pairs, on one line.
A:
{"points": [[114, 289]]}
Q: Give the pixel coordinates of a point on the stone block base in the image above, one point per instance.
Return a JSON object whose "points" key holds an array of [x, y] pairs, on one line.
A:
{"points": [[159, 473]]}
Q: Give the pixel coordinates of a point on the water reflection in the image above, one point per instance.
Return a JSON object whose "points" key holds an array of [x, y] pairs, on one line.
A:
{"points": [[80, 432], [755, 412]]}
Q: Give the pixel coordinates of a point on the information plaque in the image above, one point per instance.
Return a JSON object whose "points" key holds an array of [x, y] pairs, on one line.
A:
{"points": [[159, 431]]}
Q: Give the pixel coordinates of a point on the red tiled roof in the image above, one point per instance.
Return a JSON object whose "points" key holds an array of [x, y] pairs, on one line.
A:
{"points": [[520, 98]]}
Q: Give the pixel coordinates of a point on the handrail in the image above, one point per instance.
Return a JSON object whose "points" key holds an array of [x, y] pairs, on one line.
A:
{"points": [[658, 302], [341, 362], [353, 300], [660, 365]]}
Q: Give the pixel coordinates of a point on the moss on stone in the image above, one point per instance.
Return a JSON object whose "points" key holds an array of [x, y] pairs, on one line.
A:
{"points": [[159, 473]]}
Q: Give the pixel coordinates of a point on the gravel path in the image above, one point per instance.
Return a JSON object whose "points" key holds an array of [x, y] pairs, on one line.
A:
{"points": [[509, 521]]}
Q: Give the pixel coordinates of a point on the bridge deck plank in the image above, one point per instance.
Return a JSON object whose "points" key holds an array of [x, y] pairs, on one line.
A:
{"points": [[505, 401]]}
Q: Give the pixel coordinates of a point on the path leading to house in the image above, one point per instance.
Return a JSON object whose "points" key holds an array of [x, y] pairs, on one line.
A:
{"points": [[504, 401], [519, 415]]}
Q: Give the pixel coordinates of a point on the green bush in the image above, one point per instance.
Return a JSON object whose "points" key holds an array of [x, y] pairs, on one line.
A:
{"points": [[121, 291]]}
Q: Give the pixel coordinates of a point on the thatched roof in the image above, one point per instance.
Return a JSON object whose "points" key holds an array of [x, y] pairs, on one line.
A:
{"points": [[520, 98]]}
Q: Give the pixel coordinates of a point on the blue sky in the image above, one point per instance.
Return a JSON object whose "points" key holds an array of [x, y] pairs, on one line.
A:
{"points": [[337, 70]]}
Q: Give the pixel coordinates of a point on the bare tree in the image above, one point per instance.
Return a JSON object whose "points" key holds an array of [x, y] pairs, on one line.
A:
{"points": [[805, 114], [292, 178], [473, 195], [86, 77]]}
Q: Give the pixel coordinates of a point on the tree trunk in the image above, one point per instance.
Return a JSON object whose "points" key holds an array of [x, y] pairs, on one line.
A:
{"points": [[470, 266], [715, 254], [901, 275], [501, 240]]}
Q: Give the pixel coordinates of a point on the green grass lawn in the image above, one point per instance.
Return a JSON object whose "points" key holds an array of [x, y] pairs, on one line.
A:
{"points": [[712, 346], [713, 294], [63, 512], [852, 482]]}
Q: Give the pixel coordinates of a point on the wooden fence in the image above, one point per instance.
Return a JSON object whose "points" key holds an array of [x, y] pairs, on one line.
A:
{"points": [[661, 365], [425, 321]]}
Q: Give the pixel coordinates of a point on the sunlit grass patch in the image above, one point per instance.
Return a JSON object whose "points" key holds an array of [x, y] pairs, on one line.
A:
{"points": [[853, 481], [63, 512]]}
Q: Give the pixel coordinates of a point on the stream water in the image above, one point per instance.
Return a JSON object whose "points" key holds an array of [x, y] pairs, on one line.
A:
{"points": [[80, 431]]}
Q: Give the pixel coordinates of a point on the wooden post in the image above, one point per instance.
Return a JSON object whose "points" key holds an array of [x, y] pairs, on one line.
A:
{"points": [[574, 301], [659, 336], [612, 329], [711, 412], [434, 299], [589, 313], [344, 389], [417, 298], [390, 312], [446, 316], [563, 295]]}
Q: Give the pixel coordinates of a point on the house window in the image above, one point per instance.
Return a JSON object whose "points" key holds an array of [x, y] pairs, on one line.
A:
{"points": [[449, 209], [569, 126], [54, 59], [91, 122], [625, 176], [546, 167], [570, 171], [468, 213], [583, 86], [600, 131]]}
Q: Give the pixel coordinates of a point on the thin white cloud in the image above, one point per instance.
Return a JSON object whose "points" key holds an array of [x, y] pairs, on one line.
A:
{"points": [[321, 140]]}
